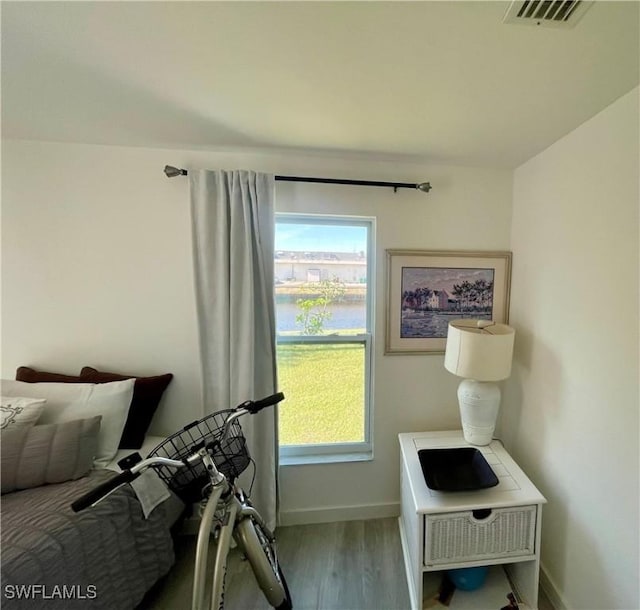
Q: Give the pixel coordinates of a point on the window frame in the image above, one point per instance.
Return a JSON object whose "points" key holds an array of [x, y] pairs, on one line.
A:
{"points": [[339, 452]]}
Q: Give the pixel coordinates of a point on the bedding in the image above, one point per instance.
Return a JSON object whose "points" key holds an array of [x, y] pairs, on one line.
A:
{"points": [[150, 443], [107, 556], [69, 401], [51, 453], [26, 373], [104, 558], [147, 393], [20, 412]]}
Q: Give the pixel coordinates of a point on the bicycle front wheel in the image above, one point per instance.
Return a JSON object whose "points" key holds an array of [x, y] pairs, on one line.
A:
{"points": [[261, 553]]}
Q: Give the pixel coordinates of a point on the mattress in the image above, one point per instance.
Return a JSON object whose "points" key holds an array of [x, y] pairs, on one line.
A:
{"points": [[103, 558]]}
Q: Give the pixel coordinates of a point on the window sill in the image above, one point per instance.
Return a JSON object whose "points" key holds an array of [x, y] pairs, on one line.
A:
{"points": [[333, 458]]}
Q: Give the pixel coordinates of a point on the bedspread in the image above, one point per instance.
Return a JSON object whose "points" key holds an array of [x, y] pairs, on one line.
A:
{"points": [[105, 557]]}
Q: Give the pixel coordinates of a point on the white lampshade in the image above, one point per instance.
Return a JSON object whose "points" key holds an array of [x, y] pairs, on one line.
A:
{"points": [[479, 349]]}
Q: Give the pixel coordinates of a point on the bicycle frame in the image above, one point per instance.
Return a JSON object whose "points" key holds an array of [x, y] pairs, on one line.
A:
{"points": [[235, 510]]}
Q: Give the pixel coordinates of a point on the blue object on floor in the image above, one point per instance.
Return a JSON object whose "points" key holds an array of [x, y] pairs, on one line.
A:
{"points": [[468, 579]]}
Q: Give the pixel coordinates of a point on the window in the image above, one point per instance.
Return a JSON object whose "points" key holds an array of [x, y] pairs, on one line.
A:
{"points": [[324, 293]]}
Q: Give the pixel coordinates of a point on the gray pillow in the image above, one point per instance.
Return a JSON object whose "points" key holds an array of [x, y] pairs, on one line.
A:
{"points": [[50, 453]]}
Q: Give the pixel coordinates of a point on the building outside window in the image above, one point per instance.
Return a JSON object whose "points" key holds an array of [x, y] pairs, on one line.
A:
{"points": [[324, 316]]}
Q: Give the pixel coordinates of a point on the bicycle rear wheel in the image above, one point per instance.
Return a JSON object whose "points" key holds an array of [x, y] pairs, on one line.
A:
{"points": [[261, 553]]}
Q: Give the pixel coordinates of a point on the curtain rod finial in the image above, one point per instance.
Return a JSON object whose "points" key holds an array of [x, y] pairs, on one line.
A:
{"points": [[172, 172], [425, 187]]}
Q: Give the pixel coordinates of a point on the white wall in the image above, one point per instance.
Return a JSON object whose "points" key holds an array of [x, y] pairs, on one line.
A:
{"points": [[570, 410], [96, 270]]}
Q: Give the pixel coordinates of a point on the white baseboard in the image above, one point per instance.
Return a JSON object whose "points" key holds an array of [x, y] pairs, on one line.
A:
{"points": [[551, 590], [338, 513]]}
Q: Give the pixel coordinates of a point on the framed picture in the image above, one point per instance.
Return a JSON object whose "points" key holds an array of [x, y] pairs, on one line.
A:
{"points": [[427, 289]]}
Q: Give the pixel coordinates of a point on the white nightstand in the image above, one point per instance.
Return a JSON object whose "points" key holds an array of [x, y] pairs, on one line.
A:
{"points": [[445, 530]]}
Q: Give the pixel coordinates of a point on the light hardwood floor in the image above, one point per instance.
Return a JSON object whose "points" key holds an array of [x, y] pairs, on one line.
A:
{"points": [[350, 565]]}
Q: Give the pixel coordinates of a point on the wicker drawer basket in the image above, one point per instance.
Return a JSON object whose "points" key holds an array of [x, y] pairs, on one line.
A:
{"points": [[457, 537]]}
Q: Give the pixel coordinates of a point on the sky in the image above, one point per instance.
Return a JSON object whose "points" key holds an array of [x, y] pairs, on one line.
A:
{"points": [[320, 238], [441, 278]]}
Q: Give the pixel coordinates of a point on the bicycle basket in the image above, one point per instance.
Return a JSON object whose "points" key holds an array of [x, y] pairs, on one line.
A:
{"points": [[231, 458]]}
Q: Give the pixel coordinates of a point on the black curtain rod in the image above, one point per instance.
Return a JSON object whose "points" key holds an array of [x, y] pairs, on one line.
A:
{"points": [[172, 172]]}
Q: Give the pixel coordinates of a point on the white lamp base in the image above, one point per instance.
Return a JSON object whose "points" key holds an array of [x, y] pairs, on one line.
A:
{"points": [[479, 404]]}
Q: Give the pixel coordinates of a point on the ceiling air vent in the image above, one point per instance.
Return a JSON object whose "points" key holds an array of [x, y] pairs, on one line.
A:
{"points": [[549, 13]]}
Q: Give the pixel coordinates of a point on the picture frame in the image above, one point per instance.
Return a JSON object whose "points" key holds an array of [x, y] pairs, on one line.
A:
{"points": [[428, 288]]}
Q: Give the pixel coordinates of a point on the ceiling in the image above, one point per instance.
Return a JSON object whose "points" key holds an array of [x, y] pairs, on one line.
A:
{"points": [[435, 81]]}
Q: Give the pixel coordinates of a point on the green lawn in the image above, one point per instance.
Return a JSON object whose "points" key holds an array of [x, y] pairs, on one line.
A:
{"points": [[324, 393]]}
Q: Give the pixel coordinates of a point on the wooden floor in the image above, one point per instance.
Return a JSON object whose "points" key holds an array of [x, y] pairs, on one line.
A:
{"points": [[350, 565]]}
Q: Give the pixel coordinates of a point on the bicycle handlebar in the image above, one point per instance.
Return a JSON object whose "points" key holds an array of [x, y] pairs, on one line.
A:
{"points": [[99, 492], [254, 406], [126, 476]]}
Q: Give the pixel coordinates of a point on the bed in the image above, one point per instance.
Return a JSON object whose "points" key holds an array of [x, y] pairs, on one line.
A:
{"points": [[105, 557]]}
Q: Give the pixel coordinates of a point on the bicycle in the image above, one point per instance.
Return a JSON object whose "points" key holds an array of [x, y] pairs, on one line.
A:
{"points": [[202, 462]]}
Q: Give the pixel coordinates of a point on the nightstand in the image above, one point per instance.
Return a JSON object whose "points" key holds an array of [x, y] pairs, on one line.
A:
{"points": [[446, 530]]}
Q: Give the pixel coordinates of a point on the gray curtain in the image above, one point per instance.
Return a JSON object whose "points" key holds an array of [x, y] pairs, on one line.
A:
{"points": [[233, 241]]}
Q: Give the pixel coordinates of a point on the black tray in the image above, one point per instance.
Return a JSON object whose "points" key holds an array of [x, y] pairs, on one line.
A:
{"points": [[461, 469]]}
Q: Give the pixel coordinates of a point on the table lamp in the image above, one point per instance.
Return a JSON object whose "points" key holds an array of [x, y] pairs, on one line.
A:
{"points": [[481, 352]]}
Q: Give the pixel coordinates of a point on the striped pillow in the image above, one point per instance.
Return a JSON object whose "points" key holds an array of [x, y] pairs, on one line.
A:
{"points": [[49, 453]]}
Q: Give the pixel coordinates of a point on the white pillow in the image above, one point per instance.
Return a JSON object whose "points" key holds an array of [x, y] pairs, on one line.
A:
{"points": [[20, 412], [69, 401]]}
